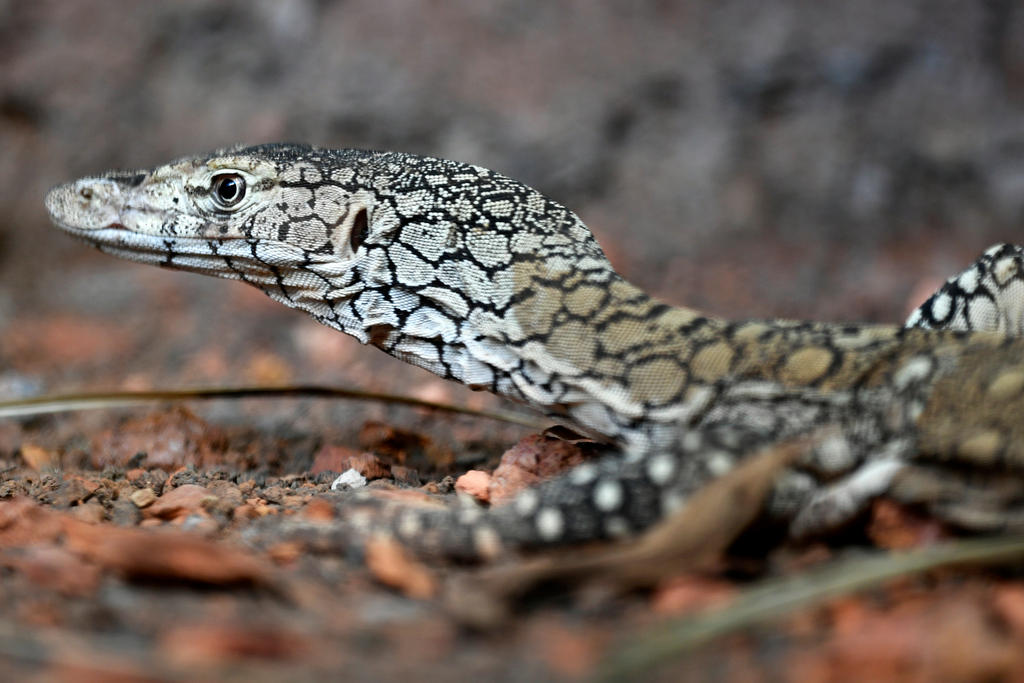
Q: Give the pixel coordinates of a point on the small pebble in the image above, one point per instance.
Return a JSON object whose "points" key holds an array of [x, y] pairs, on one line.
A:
{"points": [[475, 483], [143, 497], [90, 512], [350, 478]]}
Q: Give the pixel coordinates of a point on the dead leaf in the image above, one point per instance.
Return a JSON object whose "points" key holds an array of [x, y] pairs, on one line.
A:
{"points": [[23, 522], [319, 510], [895, 527], [55, 568], [695, 535], [691, 593], [214, 644], [39, 458], [567, 651], [1009, 604], [170, 439], [391, 564], [532, 460], [91, 512], [341, 458], [147, 554], [182, 500]]}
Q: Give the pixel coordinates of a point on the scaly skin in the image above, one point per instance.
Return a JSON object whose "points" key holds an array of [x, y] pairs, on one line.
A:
{"points": [[482, 280]]}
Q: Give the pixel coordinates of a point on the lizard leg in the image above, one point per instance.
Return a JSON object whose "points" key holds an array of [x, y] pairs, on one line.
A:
{"points": [[972, 500], [613, 497], [971, 450], [986, 297]]}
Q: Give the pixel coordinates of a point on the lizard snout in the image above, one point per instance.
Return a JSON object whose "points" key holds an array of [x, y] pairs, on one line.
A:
{"points": [[86, 204]]}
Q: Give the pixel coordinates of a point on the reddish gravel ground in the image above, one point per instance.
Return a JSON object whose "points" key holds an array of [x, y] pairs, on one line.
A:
{"points": [[160, 544]]}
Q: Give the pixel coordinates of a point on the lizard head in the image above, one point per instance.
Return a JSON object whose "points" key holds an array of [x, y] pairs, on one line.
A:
{"points": [[231, 213], [394, 249]]}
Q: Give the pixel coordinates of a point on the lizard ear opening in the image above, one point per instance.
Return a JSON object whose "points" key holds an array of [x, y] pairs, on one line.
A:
{"points": [[360, 228]]}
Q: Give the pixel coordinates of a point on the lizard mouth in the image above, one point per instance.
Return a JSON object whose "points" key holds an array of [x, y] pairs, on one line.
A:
{"points": [[248, 259], [119, 240]]}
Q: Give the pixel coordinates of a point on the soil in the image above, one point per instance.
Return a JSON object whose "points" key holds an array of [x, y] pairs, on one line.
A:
{"points": [[159, 543]]}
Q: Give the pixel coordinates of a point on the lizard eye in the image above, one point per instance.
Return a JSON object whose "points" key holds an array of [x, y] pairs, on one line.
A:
{"points": [[228, 189]]}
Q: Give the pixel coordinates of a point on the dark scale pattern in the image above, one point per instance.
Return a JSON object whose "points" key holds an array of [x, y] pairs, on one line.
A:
{"points": [[484, 281]]}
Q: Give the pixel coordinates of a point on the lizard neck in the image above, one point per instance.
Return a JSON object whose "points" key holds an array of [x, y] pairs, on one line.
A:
{"points": [[570, 338]]}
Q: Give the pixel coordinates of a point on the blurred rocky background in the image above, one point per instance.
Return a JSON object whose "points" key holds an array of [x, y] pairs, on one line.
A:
{"points": [[823, 159]]}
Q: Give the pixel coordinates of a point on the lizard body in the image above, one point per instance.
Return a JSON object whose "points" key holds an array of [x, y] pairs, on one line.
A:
{"points": [[482, 280]]}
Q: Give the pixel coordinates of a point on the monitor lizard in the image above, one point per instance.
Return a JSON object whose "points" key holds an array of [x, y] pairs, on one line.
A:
{"points": [[482, 280]]}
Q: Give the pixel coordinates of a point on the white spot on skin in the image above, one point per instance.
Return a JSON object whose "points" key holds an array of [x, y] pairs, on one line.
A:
{"points": [[660, 469], [526, 502], [469, 516], [534, 375], [840, 501], [914, 370], [834, 454], [311, 174], [486, 542], [583, 474], [550, 524], [719, 463], [729, 438], [410, 525], [374, 268], [361, 520], [608, 495], [968, 280], [941, 306]]}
